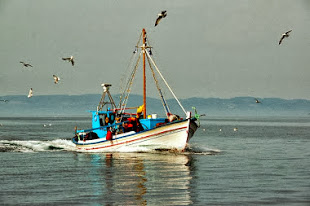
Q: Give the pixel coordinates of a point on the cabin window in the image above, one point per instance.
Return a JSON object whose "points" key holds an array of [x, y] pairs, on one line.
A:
{"points": [[112, 118], [102, 120]]}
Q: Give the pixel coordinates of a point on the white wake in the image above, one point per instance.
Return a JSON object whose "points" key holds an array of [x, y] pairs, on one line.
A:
{"points": [[36, 145]]}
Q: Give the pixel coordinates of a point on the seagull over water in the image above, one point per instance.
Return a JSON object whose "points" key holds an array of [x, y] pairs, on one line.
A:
{"points": [[56, 79], [30, 93], [284, 35], [4, 100], [70, 59], [161, 15], [257, 101], [26, 64]]}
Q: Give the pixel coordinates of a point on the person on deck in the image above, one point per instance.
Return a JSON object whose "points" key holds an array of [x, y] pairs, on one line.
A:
{"points": [[118, 129], [109, 134]]}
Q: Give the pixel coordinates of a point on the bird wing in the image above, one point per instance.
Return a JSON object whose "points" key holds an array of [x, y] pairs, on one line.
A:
{"points": [[72, 62], [65, 59], [29, 65], [157, 20], [56, 79], [281, 39], [288, 32], [164, 13]]}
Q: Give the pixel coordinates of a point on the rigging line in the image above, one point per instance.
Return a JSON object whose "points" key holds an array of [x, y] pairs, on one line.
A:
{"points": [[111, 101], [123, 78], [127, 90], [129, 84], [166, 82], [101, 103], [129, 65], [123, 106], [165, 105]]}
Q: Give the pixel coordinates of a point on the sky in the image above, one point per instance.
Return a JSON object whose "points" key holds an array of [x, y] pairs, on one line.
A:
{"points": [[204, 48]]}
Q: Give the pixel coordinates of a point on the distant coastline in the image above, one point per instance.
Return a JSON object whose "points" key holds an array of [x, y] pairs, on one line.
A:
{"points": [[78, 105]]}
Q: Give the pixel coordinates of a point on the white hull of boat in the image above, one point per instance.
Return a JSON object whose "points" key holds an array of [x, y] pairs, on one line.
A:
{"points": [[172, 136]]}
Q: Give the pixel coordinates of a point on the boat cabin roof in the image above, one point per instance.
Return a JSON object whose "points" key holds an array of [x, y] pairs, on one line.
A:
{"points": [[101, 112]]}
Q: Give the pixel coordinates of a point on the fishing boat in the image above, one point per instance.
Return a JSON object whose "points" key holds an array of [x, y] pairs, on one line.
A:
{"points": [[115, 128]]}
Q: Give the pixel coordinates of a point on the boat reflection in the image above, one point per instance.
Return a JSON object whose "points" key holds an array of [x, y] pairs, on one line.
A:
{"points": [[140, 178]]}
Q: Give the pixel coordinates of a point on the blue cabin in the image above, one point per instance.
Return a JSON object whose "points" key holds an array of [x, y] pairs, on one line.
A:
{"points": [[151, 123], [103, 120]]}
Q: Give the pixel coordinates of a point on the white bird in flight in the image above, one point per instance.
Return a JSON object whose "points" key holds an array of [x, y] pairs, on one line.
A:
{"points": [[70, 59], [284, 35], [56, 79], [161, 15], [30, 93]]}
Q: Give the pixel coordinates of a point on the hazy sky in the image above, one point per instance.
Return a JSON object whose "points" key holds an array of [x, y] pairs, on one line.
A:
{"points": [[205, 48]]}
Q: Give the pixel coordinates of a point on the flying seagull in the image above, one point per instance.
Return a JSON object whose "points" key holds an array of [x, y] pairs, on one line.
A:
{"points": [[70, 59], [284, 35], [4, 100], [30, 93], [257, 101], [25, 64], [56, 79], [161, 15]]}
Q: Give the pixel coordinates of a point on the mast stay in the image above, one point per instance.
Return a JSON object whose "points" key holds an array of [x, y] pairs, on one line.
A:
{"points": [[149, 56], [146, 55]]}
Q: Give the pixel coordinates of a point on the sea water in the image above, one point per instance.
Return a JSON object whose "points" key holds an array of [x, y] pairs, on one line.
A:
{"points": [[262, 161]]}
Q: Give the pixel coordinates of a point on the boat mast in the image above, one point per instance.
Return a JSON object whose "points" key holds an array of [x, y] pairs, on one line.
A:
{"points": [[144, 75]]}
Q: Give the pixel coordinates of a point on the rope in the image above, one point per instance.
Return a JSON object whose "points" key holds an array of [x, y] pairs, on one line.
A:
{"points": [[128, 82], [129, 65], [165, 105], [166, 83], [128, 86]]}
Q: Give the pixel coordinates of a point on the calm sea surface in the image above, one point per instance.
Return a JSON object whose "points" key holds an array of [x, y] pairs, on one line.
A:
{"points": [[265, 162]]}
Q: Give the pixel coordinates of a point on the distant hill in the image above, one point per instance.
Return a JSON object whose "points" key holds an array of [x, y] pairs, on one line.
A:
{"points": [[246, 106], [78, 105], [61, 105]]}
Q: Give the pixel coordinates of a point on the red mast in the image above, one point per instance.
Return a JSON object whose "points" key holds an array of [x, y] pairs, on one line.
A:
{"points": [[144, 75]]}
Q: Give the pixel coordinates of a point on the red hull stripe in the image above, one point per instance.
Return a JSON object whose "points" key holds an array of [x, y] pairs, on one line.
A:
{"points": [[134, 139]]}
